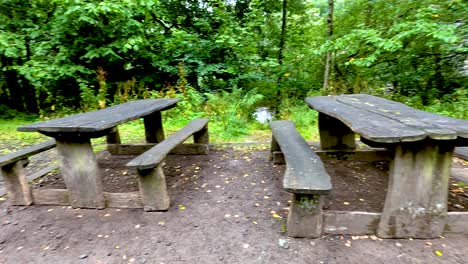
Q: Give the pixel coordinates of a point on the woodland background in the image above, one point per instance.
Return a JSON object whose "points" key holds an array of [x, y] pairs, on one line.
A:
{"points": [[225, 58]]}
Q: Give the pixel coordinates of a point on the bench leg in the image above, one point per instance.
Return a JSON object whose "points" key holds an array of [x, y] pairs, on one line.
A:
{"points": [[153, 128], [16, 183], [276, 156], [334, 134], [153, 190], [416, 202], [79, 170], [305, 216]]}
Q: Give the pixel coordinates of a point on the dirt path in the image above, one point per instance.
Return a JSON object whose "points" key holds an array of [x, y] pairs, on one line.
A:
{"points": [[221, 212]]}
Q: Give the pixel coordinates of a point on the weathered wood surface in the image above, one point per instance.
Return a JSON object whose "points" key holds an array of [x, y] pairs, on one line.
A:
{"points": [[123, 200], [153, 189], [114, 136], [457, 222], [16, 184], [354, 155], [62, 197], [79, 170], [51, 196], [305, 218], [334, 134], [26, 152], [435, 126], [305, 172], [104, 119], [416, 201], [154, 132], [138, 149], [461, 152], [380, 120], [155, 155], [350, 223]]}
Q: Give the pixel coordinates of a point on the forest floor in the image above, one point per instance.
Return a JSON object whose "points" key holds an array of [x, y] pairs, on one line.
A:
{"points": [[226, 207]]}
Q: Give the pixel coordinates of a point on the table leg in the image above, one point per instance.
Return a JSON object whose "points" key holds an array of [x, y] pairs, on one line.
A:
{"points": [[79, 170], [114, 136], [334, 134], [153, 128], [416, 202]]}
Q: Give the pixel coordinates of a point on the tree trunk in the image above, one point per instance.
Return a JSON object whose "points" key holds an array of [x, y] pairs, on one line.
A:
{"points": [[281, 49], [283, 34], [328, 62]]}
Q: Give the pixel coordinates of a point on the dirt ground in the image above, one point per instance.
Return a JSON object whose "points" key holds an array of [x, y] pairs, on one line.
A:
{"points": [[222, 208]]}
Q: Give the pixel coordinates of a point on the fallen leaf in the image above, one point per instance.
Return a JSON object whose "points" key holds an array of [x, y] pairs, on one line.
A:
{"points": [[438, 253], [181, 207], [276, 216]]}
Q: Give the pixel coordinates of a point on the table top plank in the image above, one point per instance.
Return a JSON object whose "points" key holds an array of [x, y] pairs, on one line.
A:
{"points": [[435, 126], [369, 125], [99, 120], [385, 121]]}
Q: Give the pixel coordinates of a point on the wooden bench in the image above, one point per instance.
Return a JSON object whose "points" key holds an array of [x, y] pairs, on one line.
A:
{"points": [[461, 152], [149, 165], [12, 169], [305, 177]]}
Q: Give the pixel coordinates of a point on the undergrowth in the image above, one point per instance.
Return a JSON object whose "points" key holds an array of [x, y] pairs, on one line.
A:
{"points": [[230, 115]]}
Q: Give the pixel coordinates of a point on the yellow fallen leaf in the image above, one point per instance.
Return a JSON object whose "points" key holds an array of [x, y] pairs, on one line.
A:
{"points": [[181, 207], [254, 222], [438, 253], [276, 216]]}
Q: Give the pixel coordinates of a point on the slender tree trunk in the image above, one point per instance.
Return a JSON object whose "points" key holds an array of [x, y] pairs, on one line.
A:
{"points": [[281, 50], [283, 33], [328, 62]]}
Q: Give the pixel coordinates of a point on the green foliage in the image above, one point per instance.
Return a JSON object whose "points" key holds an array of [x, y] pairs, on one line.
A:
{"points": [[453, 105], [304, 118], [221, 57], [233, 111]]}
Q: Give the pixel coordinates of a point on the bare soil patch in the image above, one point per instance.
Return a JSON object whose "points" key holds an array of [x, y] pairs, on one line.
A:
{"points": [[221, 212]]}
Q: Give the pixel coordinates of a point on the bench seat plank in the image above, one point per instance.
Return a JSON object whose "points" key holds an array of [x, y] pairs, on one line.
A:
{"points": [[369, 125], [103, 119], [462, 152], [156, 154], [435, 126], [305, 173], [26, 152]]}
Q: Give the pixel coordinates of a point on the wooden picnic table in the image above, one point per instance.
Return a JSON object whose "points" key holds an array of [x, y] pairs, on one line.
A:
{"points": [[422, 144], [73, 133]]}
